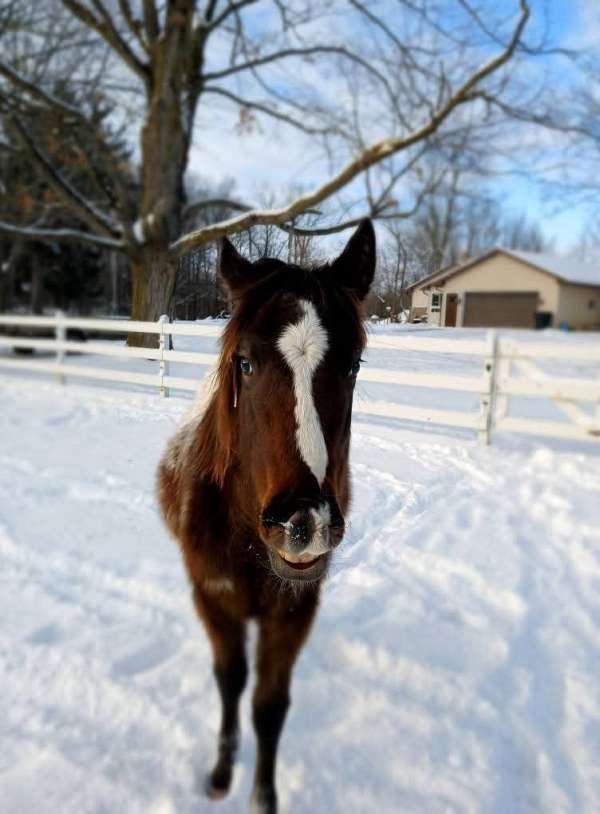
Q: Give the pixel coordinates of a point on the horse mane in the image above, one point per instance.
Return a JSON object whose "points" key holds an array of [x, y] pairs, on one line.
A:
{"points": [[216, 434]]}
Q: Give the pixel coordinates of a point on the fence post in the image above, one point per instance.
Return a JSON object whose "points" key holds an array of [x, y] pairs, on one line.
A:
{"points": [[503, 373], [163, 364], [488, 397], [60, 334]]}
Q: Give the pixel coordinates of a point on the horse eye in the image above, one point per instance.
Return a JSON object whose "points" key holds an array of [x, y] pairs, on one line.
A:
{"points": [[353, 372], [245, 366]]}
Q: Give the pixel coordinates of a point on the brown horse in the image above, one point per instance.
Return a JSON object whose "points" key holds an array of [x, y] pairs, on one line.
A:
{"points": [[255, 483]]}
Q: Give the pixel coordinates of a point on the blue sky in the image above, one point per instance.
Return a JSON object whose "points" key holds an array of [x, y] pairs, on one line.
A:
{"points": [[572, 23]]}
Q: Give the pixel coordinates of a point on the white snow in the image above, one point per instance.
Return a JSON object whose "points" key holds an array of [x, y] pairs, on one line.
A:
{"points": [[139, 228], [453, 666]]}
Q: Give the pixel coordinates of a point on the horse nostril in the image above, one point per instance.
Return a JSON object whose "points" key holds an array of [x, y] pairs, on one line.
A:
{"points": [[299, 527]]}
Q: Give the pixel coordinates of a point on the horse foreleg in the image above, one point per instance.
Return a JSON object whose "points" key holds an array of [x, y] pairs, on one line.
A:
{"points": [[227, 637], [280, 641]]}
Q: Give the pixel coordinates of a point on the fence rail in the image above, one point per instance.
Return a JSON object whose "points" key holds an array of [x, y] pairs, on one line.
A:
{"points": [[499, 357]]}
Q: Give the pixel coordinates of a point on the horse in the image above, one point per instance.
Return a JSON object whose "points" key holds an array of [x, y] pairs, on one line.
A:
{"points": [[255, 483]]}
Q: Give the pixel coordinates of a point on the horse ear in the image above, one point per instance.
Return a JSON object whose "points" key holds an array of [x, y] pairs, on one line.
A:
{"points": [[234, 269], [355, 267]]}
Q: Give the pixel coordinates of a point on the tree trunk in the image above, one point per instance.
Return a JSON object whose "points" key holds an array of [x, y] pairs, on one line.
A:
{"points": [[37, 287], [7, 275], [153, 281], [113, 272], [165, 140]]}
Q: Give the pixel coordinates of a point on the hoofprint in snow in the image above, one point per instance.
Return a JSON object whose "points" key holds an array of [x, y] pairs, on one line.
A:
{"points": [[453, 666]]}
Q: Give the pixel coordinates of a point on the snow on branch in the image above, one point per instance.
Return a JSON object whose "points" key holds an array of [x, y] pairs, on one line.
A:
{"points": [[59, 236], [209, 203], [370, 156]]}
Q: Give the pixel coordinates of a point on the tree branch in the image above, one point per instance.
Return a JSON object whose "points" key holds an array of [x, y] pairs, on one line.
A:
{"points": [[106, 28], [71, 112], [73, 199], [151, 21], [534, 51], [338, 50], [225, 203], [542, 119], [135, 26], [60, 236], [301, 109], [367, 158], [402, 49], [323, 230], [376, 212], [36, 91], [232, 8], [269, 111]]}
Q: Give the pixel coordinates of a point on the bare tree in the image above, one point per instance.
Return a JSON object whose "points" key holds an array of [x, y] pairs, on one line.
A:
{"points": [[587, 247], [395, 271], [422, 80], [463, 219], [33, 143]]}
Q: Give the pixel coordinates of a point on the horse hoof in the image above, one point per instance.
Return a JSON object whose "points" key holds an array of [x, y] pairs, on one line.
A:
{"points": [[263, 801], [217, 783]]}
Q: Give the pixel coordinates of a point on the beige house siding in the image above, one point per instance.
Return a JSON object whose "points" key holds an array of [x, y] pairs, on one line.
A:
{"points": [[420, 298], [502, 273], [419, 304], [574, 306], [497, 273]]}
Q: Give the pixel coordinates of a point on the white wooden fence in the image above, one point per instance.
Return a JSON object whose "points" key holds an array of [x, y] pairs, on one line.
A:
{"points": [[501, 358]]}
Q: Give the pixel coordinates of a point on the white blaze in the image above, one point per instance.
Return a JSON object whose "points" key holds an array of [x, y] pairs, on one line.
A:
{"points": [[303, 346]]}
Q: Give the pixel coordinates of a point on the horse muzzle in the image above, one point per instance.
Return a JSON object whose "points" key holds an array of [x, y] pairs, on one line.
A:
{"points": [[300, 547]]}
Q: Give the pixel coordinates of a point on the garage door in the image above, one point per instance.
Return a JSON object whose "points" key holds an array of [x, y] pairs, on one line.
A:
{"points": [[500, 310]]}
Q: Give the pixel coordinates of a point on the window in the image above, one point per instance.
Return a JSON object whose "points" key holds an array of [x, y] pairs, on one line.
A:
{"points": [[436, 302]]}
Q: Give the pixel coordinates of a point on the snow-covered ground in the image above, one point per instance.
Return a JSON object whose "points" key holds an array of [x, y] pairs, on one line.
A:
{"points": [[453, 667]]}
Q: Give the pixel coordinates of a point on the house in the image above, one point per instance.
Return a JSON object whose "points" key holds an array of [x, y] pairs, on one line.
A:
{"points": [[510, 289]]}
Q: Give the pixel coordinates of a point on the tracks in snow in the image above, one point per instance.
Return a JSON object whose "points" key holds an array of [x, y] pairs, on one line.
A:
{"points": [[452, 667]]}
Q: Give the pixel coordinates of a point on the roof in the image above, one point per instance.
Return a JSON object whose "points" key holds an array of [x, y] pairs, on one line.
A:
{"points": [[565, 268]]}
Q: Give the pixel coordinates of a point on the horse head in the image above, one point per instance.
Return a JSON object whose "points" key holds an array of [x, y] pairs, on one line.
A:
{"points": [[291, 353]]}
